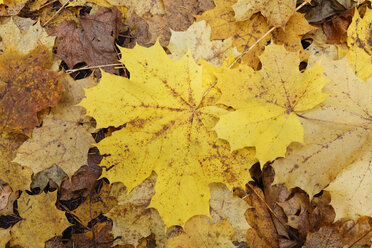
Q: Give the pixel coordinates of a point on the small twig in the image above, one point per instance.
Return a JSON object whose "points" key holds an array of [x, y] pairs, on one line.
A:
{"points": [[92, 67], [55, 14]]}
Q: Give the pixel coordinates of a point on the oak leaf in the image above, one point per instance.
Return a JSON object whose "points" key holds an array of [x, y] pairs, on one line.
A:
{"points": [[360, 42], [277, 12], [197, 39], [26, 87], [167, 131], [36, 225], [267, 103], [200, 233], [337, 144]]}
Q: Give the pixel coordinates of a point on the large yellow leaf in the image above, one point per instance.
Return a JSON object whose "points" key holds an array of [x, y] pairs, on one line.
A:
{"points": [[40, 220], [267, 102], [167, 130], [199, 233], [337, 145], [277, 12], [360, 41]]}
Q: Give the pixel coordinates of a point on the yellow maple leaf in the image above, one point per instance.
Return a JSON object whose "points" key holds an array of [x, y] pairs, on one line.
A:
{"points": [[267, 101], [277, 12], [199, 233], [359, 39], [40, 220], [338, 144], [167, 131]]}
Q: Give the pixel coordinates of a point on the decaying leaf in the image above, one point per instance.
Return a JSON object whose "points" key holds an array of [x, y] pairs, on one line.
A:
{"points": [[342, 234], [360, 42], [267, 102], [96, 204], [91, 42], [36, 225], [81, 183], [197, 40], [200, 233], [57, 142], [26, 87], [263, 233], [337, 144], [153, 20], [277, 12], [167, 131]]}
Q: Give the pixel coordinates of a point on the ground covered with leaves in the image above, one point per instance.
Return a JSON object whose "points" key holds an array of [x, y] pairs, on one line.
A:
{"points": [[174, 123]]}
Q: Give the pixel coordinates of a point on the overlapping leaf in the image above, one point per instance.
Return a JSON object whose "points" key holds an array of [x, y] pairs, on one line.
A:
{"points": [[167, 131], [337, 146], [26, 87], [267, 102]]}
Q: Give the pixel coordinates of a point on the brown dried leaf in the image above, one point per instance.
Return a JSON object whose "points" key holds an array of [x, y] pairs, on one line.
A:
{"points": [[176, 15], [81, 183], [263, 233], [26, 87], [91, 42], [96, 203], [336, 28]]}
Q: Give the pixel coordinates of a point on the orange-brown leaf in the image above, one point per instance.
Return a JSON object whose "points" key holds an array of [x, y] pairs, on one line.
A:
{"points": [[26, 87]]}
